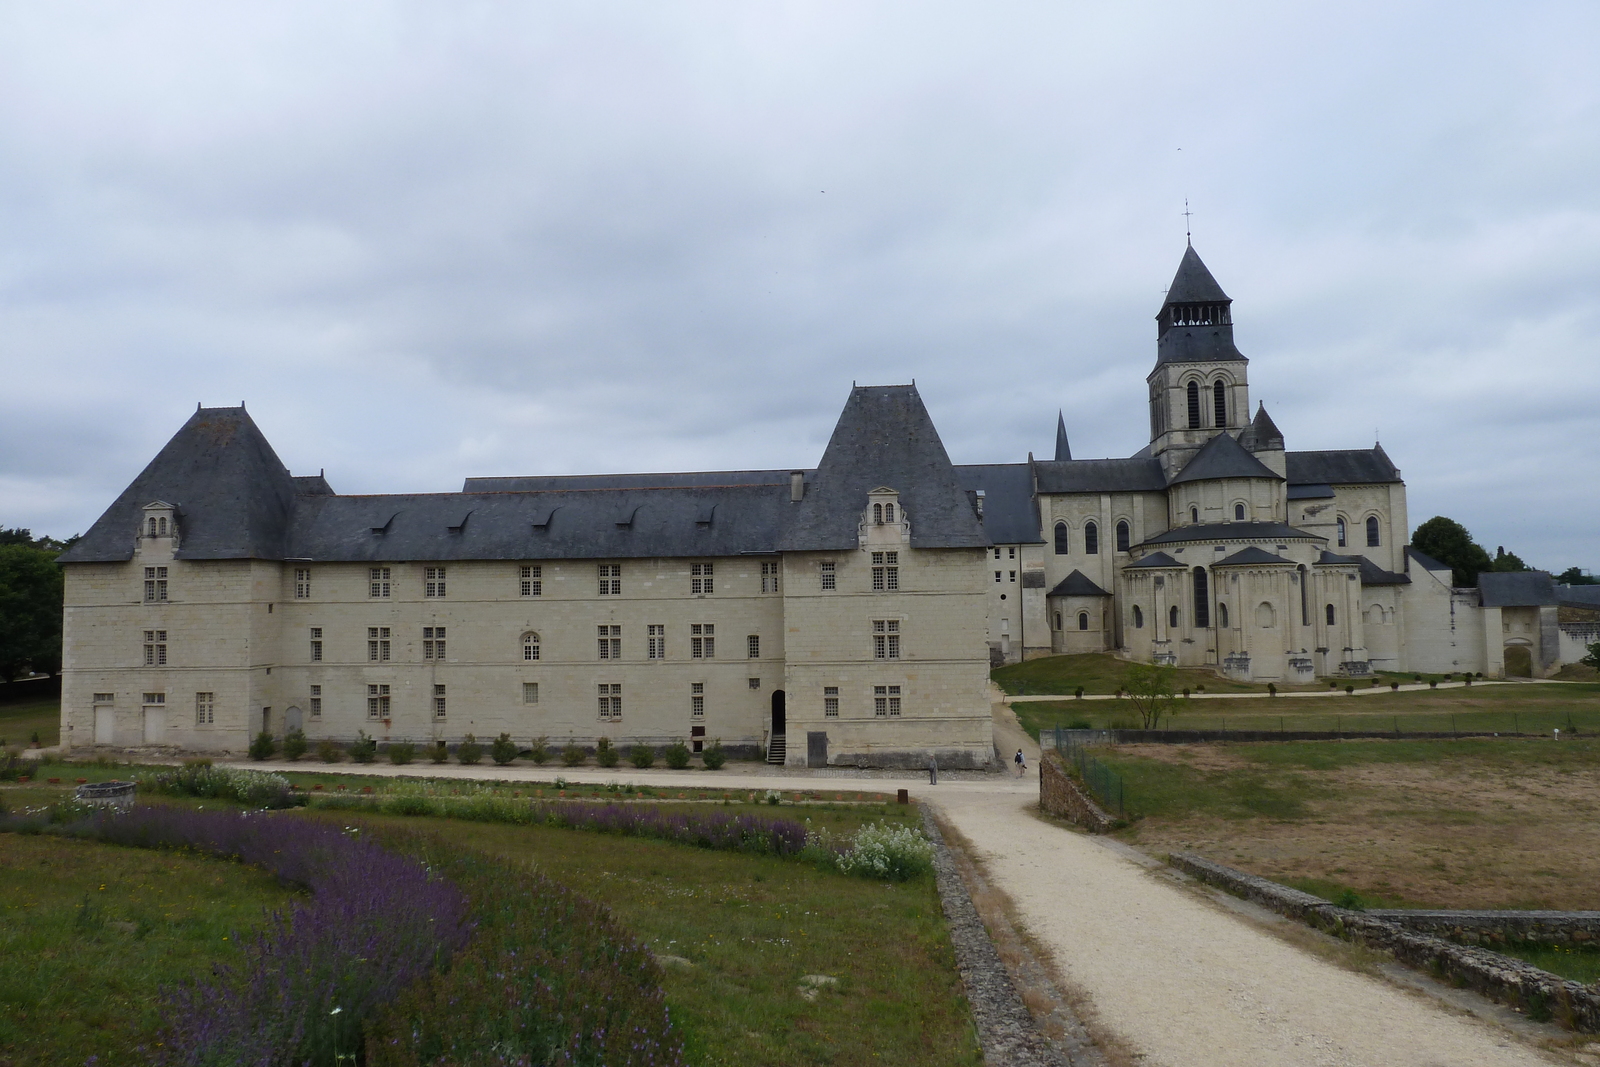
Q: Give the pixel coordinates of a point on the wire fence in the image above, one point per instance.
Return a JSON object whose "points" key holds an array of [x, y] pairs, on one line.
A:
{"points": [[1103, 782]]}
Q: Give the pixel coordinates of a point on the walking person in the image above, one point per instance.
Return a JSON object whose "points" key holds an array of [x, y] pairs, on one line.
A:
{"points": [[1021, 764]]}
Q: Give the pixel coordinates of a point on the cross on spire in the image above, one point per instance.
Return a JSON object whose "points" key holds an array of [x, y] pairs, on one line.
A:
{"points": [[1188, 232]]}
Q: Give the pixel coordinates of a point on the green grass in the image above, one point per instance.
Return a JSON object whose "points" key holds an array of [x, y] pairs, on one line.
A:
{"points": [[1097, 672], [1581, 964], [1347, 896], [1175, 790], [91, 932], [19, 722]]}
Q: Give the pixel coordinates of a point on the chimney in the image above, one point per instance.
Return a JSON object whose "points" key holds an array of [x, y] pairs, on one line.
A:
{"points": [[797, 486]]}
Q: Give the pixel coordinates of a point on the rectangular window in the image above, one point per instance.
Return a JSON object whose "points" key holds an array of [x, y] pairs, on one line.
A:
{"points": [[530, 692], [697, 699], [825, 571], [302, 583], [656, 641], [378, 702], [611, 701], [610, 642], [1013, 575], [886, 701], [155, 648], [205, 709], [155, 698], [378, 582], [997, 577], [438, 702], [752, 646], [769, 577], [433, 642], [155, 584], [755, 683], [610, 579], [885, 638], [316, 644], [378, 644], [531, 578], [699, 578], [433, 581], [830, 701], [886, 572], [316, 702], [1012, 553], [702, 640], [105, 698]]}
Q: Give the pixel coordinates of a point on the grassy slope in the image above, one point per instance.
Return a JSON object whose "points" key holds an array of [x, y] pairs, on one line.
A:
{"points": [[19, 722]]}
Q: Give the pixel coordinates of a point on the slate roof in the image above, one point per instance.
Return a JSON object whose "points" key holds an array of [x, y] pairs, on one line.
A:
{"points": [[1223, 457], [1233, 531], [1578, 596], [1141, 474], [1009, 514], [1152, 561], [1063, 447], [1357, 466], [1516, 589], [1310, 492], [1077, 584], [1252, 557], [1262, 434], [1193, 284], [678, 480], [1371, 573], [1427, 562], [884, 437]]}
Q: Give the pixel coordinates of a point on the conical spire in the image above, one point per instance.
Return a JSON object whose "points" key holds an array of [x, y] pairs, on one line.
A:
{"points": [[1063, 449], [1193, 284], [1195, 324], [1262, 434]]}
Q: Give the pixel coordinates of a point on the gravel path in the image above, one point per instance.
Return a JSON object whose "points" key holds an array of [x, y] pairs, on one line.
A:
{"points": [[1187, 984]]}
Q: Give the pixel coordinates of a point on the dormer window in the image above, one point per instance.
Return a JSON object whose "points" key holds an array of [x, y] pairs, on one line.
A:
{"points": [[160, 520]]}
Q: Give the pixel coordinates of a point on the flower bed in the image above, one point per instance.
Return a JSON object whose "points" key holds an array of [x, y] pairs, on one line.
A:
{"points": [[198, 778]]}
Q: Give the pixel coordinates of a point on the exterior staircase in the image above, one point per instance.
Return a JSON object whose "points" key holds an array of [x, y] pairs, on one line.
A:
{"points": [[777, 748]]}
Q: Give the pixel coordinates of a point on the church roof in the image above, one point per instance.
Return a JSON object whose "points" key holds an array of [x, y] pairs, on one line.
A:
{"points": [[1578, 596], [1310, 492], [1193, 284], [1063, 447], [1355, 466], [673, 480], [1206, 337], [1233, 531], [1371, 573], [1009, 515], [1252, 557], [1153, 561], [1223, 457], [1516, 589], [1077, 584], [1262, 434], [1141, 474]]}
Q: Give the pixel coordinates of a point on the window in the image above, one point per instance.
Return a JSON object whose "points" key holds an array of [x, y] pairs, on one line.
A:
{"points": [[105, 698], [877, 514], [885, 571], [530, 580], [155, 648], [1339, 526], [316, 644], [378, 702], [433, 642], [702, 640], [302, 583], [886, 701], [316, 702], [1222, 615], [1058, 620], [1194, 405], [530, 692], [755, 683], [152, 528], [697, 700], [1194, 514], [1202, 599], [1122, 536], [433, 581], [161, 527], [1172, 616], [610, 641], [377, 644], [439, 705], [1330, 615], [611, 701], [1219, 403], [610, 579], [155, 698], [1091, 538], [1372, 531], [826, 574], [997, 552], [1083, 620], [155, 584], [378, 582], [752, 646], [530, 647], [699, 578], [885, 638], [1011, 553], [205, 709], [1138, 617], [1063, 539], [1238, 513], [656, 641], [830, 701], [996, 577], [1013, 575], [769, 577]]}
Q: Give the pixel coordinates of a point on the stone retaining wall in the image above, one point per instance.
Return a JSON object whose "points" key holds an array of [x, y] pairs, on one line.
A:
{"points": [[1060, 794], [1498, 927], [1503, 978]]}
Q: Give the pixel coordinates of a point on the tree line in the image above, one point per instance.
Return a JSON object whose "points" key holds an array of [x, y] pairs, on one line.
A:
{"points": [[1447, 541], [30, 604]]}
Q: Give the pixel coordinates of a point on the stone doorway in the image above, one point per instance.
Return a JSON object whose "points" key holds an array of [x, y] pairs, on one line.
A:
{"points": [[1519, 661]]}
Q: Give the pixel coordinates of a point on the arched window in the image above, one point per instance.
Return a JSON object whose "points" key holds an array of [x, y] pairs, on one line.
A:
{"points": [[888, 513], [1266, 618], [1305, 595], [1138, 618], [1339, 526], [152, 528], [877, 514], [1172, 616], [1091, 538], [1083, 620], [530, 646], [1330, 614], [1222, 615], [1194, 514], [1058, 620], [1194, 405], [162, 526], [1122, 536], [1372, 531], [1238, 513], [1219, 403], [1202, 599], [1063, 539]]}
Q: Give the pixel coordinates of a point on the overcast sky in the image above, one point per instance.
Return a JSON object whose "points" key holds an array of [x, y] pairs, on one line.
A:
{"points": [[430, 241]]}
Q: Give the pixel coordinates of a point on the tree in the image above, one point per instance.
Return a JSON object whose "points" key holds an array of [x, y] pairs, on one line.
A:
{"points": [[30, 608], [1447, 541], [1507, 561], [1593, 658], [1150, 688], [1577, 576]]}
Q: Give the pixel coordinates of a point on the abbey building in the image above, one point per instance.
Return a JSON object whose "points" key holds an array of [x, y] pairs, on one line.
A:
{"points": [[843, 614]]}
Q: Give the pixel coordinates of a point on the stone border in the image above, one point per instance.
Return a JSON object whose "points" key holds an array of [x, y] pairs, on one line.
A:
{"points": [[1497, 927], [1060, 794], [1006, 1030], [1502, 978]]}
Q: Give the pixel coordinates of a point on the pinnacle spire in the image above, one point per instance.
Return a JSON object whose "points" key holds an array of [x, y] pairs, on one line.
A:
{"points": [[1063, 449]]}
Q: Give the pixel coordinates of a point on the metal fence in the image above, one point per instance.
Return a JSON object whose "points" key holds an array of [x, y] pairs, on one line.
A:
{"points": [[1100, 780]]}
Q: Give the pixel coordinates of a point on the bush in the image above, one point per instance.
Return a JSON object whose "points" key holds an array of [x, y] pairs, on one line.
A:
{"points": [[1078, 692], [329, 751], [714, 757], [1350, 690], [295, 744], [573, 755], [363, 749], [438, 752], [1394, 685], [469, 751], [503, 750], [677, 755], [605, 753], [642, 756], [539, 751], [263, 746], [1272, 689], [198, 778], [402, 753], [895, 853], [1080, 724]]}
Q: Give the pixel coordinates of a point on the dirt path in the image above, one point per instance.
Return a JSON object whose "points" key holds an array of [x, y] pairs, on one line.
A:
{"points": [[1187, 984]]}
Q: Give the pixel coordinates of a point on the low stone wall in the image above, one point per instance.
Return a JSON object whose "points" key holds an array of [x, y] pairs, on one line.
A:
{"points": [[1190, 737], [1060, 794], [1498, 927], [1539, 993]]}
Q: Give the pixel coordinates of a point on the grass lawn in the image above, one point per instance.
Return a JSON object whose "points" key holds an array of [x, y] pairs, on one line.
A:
{"points": [[91, 932], [20, 721]]}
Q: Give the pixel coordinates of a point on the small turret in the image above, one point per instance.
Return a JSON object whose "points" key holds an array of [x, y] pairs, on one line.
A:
{"points": [[1262, 435], [1063, 449]]}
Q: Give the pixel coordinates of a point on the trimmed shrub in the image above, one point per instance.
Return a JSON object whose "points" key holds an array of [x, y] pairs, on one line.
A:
{"points": [[1272, 689], [714, 757], [1078, 692], [539, 751], [677, 755], [605, 753], [1350, 689], [363, 749], [1394, 685], [642, 756], [295, 744], [573, 755], [402, 753], [329, 751], [264, 746], [438, 752], [469, 752], [503, 750]]}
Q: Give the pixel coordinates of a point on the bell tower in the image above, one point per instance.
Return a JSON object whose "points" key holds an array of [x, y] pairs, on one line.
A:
{"points": [[1199, 386]]}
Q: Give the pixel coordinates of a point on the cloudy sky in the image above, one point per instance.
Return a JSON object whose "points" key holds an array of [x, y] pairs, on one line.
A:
{"points": [[427, 241]]}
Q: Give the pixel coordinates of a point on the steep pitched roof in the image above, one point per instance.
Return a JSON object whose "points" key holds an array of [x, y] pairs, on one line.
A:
{"points": [[1233, 531], [1141, 474], [1223, 457], [1063, 447], [1262, 434], [1425, 561], [1252, 557], [1184, 337], [1516, 589], [1355, 466], [673, 480], [1153, 561], [233, 495], [884, 437], [1077, 584], [1009, 514], [1193, 284]]}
